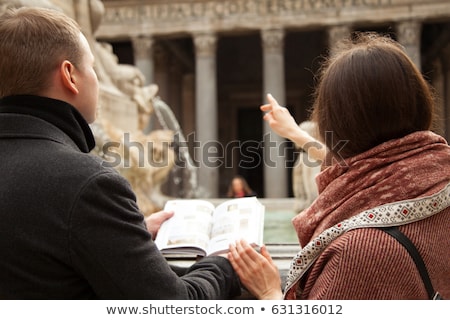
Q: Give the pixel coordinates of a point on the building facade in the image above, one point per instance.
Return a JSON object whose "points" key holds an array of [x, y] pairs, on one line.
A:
{"points": [[215, 61]]}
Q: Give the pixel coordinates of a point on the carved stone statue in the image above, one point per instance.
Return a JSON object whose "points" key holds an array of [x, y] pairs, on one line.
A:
{"points": [[304, 174], [125, 109]]}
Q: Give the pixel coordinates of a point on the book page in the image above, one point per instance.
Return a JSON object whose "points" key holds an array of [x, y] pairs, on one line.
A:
{"points": [[189, 227], [237, 219]]}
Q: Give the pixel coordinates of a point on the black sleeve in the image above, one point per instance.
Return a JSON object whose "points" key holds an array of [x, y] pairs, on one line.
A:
{"points": [[112, 249]]}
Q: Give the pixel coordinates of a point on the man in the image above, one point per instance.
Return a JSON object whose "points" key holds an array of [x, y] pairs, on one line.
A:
{"points": [[70, 228]]}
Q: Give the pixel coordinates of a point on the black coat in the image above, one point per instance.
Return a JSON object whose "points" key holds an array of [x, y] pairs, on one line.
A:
{"points": [[70, 227]]}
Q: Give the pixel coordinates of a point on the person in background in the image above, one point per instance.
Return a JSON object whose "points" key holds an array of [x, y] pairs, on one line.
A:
{"points": [[239, 188], [70, 227], [383, 168]]}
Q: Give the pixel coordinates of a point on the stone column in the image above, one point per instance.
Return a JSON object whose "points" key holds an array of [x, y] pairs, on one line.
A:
{"points": [[161, 70], [408, 35], [445, 57], [438, 83], [143, 56], [207, 153], [275, 171], [337, 33]]}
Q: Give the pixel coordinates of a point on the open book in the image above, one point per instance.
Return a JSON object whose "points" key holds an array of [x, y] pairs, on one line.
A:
{"points": [[199, 228]]}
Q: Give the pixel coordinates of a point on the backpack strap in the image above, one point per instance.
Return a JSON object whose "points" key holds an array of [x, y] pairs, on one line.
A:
{"points": [[415, 255]]}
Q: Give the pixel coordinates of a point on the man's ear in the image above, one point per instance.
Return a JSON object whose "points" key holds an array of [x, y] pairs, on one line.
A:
{"points": [[68, 77]]}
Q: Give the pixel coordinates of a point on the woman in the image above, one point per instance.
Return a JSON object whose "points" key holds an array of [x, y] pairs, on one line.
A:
{"points": [[382, 167], [239, 188]]}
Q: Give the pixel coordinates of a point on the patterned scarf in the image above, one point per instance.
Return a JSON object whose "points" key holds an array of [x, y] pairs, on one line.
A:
{"points": [[415, 166]]}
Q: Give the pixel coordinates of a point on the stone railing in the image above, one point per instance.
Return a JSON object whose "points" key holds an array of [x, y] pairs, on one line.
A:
{"points": [[282, 255]]}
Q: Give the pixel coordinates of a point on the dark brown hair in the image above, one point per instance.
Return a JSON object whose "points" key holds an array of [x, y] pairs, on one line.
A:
{"points": [[370, 92], [247, 189]]}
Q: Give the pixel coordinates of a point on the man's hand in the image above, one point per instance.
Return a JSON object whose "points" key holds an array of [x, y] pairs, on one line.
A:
{"points": [[155, 220]]}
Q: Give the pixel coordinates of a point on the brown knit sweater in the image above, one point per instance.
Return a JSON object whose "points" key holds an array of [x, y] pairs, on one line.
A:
{"points": [[368, 263]]}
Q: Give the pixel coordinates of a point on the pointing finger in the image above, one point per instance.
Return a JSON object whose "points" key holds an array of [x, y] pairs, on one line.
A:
{"points": [[273, 102], [266, 107]]}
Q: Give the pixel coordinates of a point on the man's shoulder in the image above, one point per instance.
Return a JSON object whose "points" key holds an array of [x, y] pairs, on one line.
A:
{"points": [[86, 163]]}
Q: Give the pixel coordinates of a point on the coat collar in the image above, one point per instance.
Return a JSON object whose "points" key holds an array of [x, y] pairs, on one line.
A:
{"points": [[56, 112]]}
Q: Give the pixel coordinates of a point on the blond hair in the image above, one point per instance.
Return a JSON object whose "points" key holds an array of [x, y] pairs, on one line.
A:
{"points": [[33, 43]]}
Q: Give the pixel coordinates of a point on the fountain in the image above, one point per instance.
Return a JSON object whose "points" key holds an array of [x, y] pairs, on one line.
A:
{"points": [[184, 172]]}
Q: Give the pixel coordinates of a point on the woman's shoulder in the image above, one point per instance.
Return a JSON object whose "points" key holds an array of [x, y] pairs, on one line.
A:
{"points": [[365, 242]]}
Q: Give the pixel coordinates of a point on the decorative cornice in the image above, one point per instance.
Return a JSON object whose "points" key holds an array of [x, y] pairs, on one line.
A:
{"points": [[131, 18]]}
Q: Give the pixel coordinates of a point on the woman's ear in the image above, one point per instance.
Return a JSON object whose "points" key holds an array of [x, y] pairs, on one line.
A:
{"points": [[68, 77]]}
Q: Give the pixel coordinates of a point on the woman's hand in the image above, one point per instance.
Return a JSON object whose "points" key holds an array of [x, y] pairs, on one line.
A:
{"points": [[279, 118], [257, 272], [283, 124]]}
